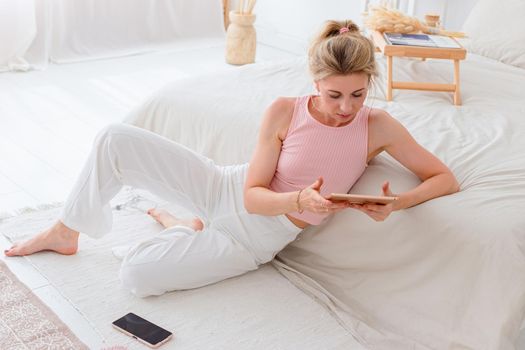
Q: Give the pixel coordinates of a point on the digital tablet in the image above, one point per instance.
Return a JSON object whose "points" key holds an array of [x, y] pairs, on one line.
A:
{"points": [[361, 199]]}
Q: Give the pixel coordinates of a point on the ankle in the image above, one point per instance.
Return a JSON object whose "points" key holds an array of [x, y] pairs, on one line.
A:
{"points": [[63, 231]]}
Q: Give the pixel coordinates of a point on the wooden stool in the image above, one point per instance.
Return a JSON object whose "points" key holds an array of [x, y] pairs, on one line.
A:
{"points": [[391, 51]]}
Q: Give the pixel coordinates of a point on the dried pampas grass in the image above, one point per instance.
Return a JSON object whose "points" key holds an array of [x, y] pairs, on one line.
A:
{"points": [[383, 19]]}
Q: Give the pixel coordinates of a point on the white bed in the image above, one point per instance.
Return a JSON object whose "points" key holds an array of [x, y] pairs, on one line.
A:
{"points": [[447, 274]]}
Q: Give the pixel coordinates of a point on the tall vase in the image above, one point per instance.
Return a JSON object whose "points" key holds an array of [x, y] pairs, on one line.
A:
{"points": [[240, 39]]}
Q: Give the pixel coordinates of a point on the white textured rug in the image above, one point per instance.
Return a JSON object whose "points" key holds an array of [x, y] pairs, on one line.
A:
{"points": [[259, 310]]}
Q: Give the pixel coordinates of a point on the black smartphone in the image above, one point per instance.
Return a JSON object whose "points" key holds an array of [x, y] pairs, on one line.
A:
{"points": [[142, 330]]}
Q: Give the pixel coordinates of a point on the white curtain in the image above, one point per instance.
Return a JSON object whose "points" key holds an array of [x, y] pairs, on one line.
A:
{"points": [[17, 31], [75, 30]]}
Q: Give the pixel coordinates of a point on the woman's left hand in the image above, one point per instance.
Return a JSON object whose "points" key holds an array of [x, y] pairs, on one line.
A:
{"points": [[378, 212]]}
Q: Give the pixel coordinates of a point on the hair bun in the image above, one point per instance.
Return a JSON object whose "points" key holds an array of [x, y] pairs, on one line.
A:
{"points": [[334, 28], [352, 27]]}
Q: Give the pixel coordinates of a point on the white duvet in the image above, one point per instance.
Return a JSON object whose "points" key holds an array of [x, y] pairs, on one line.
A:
{"points": [[447, 274]]}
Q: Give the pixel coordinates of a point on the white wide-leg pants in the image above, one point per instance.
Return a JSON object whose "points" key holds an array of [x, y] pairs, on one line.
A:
{"points": [[233, 241]]}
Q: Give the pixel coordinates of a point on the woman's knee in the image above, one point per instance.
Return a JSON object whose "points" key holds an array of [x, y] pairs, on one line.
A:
{"points": [[112, 131], [140, 280], [116, 141]]}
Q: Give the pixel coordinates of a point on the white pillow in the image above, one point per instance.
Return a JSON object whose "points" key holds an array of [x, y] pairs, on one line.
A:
{"points": [[496, 29]]}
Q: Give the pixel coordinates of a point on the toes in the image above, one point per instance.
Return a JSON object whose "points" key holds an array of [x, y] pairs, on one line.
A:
{"points": [[197, 224], [10, 252]]}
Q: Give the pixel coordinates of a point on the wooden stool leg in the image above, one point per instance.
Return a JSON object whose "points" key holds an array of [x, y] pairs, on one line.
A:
{"points": [[389, 78], [457, 96]]}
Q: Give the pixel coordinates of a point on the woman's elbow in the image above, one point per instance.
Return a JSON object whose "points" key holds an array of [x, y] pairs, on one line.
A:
{"points": [[248, 205], [454, 186]]}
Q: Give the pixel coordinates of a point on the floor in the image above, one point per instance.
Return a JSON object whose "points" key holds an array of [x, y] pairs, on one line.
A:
{"points": [[48, 120]]}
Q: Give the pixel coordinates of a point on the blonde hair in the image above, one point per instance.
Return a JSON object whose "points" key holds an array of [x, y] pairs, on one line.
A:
{"points": [[339, 51]]}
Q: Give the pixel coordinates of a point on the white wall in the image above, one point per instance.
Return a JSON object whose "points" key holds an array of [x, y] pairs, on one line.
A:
{"points": [[453, 13], [290, 24]]}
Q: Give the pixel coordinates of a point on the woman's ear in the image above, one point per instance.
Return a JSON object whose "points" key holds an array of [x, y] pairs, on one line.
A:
{"points": [[316, 85]]}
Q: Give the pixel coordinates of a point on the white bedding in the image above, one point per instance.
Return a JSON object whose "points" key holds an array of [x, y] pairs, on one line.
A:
{"points": [[447, 274]]}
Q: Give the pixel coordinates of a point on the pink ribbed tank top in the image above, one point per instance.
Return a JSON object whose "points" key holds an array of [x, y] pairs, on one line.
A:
{"points": [[312, 149]]}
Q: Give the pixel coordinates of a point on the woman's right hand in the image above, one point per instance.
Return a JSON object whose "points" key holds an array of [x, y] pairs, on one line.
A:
{"points": [[311, 199]]}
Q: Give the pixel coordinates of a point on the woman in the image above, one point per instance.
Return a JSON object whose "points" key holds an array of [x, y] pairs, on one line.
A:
{"points": [[308, 147]]}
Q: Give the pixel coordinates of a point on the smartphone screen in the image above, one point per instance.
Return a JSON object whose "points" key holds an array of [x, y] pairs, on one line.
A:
{"points": [[143, 329]]}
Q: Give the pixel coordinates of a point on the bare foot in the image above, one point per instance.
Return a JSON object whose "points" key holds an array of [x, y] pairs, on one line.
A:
{"points": [[167, 220], [59, 238]]}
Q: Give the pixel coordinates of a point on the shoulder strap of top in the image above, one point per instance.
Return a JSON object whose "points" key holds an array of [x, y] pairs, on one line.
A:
{"points": [[298, 113]]}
